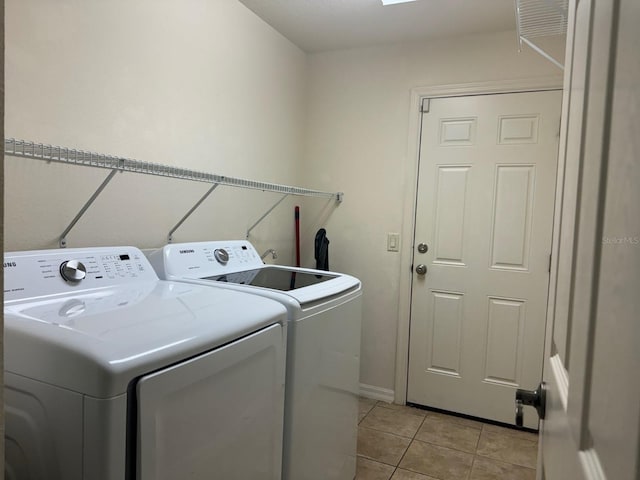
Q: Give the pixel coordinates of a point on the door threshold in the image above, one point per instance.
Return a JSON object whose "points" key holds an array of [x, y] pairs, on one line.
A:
{"points": [[471, 417]]}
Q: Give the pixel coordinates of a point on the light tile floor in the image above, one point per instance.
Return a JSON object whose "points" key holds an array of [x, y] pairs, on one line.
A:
{"points": [[405, 443]]}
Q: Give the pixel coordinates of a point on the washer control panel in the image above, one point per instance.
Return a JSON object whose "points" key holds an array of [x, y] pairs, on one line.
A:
{"points": [[49, 272], [201, 259]]}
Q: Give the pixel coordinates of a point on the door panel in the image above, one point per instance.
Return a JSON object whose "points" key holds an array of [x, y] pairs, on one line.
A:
{"points": [[485, 207], [445, 339], [592, 426], [505, 331], [512, 215], [450, 208]]}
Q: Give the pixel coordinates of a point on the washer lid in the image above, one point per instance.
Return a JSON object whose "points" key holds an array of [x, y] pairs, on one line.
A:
{"points": [[197, 261], [283, 279], [95, 342], [303, 285]]}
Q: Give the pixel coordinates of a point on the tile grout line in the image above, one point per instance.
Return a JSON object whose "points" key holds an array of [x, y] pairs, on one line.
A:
{"points": [[395, 467], [473, 462], [475, 453], [379, 429], [493, 459], [413, 439], [388, 433]]}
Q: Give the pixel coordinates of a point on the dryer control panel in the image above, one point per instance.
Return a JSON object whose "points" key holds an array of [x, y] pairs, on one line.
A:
{"points": [[49, 272]]}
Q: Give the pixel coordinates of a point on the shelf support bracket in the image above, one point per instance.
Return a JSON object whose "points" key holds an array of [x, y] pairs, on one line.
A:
{"points": [[85, 207], [193, 209], [267, 213], [540, 51]]}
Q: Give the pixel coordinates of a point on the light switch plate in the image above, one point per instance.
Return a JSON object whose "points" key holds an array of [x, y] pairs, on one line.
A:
{"points": [[393, 242]]}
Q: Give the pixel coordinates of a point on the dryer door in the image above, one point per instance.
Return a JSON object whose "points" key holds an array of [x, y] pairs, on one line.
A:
{"points": [[218, 415]]}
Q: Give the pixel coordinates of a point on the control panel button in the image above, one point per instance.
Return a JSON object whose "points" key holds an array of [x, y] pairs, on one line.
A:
{"points": [[73, 271], [222, 256]]}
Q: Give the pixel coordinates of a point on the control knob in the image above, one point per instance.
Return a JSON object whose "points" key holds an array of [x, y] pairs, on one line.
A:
{"points": [[73, 271], [221, 255]]}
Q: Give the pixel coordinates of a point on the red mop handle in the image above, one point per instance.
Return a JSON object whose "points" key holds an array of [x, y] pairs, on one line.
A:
{"points": [[297, 220]]}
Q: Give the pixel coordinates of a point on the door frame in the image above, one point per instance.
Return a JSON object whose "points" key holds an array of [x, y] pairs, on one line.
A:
{"points": [[410, 199]]}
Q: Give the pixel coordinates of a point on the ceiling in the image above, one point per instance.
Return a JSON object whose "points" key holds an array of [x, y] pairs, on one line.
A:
{"points": [[320, 25]]}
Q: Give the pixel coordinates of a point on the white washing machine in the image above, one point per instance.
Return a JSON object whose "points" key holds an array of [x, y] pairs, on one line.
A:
{"points": [[323, 353], [113, 374]]}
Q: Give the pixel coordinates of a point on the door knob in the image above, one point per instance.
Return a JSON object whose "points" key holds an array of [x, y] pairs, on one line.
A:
{"points": [[534, 398], [421, 269], [423, 248]]}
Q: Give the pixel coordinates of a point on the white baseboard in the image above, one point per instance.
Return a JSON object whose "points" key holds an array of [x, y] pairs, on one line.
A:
{"points": [[377, 393]]}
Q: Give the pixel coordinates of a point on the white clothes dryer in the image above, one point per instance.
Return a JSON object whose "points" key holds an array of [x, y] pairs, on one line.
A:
{"points": [[112, 374], [323, 352]]}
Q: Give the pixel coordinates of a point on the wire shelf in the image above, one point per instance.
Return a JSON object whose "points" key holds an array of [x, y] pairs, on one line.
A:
{"points": [[51, 153], [72, 156], [541, 18]]}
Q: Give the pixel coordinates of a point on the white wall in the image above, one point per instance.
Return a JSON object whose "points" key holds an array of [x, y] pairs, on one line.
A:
{"points": [[358, 136], [196, 83], [207, 85]]}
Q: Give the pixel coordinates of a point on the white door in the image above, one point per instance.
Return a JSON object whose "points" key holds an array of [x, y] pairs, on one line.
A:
{"points": [[484, 215], [592, 424]]}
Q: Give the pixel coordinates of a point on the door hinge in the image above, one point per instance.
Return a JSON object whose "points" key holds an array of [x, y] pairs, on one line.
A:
{"points": [[424, 105], [549, 263]]}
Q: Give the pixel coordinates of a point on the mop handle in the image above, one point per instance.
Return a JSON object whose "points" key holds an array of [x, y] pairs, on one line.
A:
{"points": [[297, 220]]}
